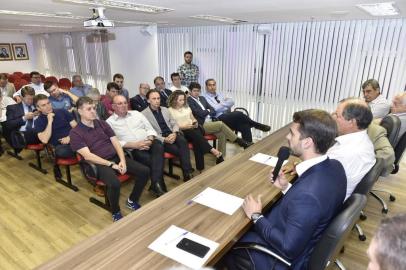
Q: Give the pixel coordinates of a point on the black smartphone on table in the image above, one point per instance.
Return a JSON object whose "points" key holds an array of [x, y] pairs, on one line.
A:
{"points": [[193, 247]]}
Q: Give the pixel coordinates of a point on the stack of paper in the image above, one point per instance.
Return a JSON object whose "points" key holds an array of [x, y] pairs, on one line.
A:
{"points": [[266, 159], [219, 200]]}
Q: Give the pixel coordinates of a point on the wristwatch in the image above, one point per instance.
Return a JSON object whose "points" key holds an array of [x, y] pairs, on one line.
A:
{"points": [[256, 216]]}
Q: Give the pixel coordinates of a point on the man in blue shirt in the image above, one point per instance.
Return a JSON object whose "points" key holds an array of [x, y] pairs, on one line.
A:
{"points": [[235, 120], [79, 89], [60, 98], [53, 127]]}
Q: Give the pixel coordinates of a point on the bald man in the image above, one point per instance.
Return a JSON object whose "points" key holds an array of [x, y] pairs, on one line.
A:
{"points": [[139, 102]]}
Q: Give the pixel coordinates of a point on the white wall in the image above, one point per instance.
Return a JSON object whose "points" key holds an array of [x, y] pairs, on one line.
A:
{"points": [[25, 66], [134, 53]]}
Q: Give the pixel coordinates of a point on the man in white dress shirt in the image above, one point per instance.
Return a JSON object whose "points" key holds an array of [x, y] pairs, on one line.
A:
{"points": [[176, 83], [135, 133], [36, 84], [379, 105], [353, 147]]}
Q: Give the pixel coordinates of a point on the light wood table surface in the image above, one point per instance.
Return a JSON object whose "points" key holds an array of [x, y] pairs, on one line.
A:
{"points": [[124, 244]]}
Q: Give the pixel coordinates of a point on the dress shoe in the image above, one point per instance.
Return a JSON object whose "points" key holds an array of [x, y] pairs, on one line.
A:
{"points": [[156, 190], [219, 159], [187, 177], [99, 190], [262, 127], [243, 143]]}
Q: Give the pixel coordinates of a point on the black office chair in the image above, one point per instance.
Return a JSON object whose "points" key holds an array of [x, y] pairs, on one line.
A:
{"points": [[332, 239], [391, 123], [399, 150], [364, 187]]}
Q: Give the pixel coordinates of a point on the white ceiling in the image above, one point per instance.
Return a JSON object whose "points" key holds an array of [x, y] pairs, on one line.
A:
{"points": [[253, 11]]}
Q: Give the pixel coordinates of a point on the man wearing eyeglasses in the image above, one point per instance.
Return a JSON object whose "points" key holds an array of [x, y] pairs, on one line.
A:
{"points": [[135, 133]]}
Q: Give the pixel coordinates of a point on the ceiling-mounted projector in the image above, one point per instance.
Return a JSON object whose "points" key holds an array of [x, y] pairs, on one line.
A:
{"points": [[98, 20]]}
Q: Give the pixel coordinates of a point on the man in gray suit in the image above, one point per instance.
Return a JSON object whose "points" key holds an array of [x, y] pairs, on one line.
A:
{"points": [[168, 132]]}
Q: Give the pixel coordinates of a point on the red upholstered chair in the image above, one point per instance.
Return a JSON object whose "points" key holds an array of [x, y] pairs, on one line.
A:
{"points": [[67, 162], [211, 137], [37, 148], [42, 78], [18, 74], [52, 79], [12, 78], [19, 83], [89, 171], [65, 83], [26, 76], [170, 159]]}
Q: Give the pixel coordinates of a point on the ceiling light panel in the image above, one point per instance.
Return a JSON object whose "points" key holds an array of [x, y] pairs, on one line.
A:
{"points": [[39, 14], [46, 26], [121, 5], [380, 9], [217, 19]]}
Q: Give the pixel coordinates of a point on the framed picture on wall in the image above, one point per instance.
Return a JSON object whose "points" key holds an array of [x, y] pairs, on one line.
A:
{"points": [[20, 51], [5, 52]]}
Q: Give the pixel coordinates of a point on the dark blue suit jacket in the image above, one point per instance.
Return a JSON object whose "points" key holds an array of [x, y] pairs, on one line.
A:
{"points": [[137, 103], [293, 227], [164, 99], [15, 115], [198, 112]]}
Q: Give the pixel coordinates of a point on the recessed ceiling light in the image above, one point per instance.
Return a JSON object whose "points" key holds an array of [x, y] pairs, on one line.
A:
{"points": [[46, 26], [121, 5], [39, 14], [217, 19], [380, 9]]}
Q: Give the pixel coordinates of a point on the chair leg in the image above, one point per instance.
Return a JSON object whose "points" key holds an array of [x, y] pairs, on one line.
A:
{"points": [[383, 203], [391, 197], [339, 264], [170, 171], [105, 205], [38, 166], [15, 154], [68, 182], [360, 232], [362, 216]]}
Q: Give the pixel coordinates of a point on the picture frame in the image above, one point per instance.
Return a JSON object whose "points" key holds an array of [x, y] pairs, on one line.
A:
{"points": [[20, 51], [5, 52]]}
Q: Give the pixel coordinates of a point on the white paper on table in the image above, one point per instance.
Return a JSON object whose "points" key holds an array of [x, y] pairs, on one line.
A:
{"points": [[219, 200], [166, 243], [266, 159]]}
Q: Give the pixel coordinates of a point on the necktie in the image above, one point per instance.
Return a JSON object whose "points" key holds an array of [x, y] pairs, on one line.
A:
{"points": [[30, 122], [217, 99]]}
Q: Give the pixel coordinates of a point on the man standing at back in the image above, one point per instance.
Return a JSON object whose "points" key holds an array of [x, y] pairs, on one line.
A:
{"points": [[188, 72], [293, 227]]}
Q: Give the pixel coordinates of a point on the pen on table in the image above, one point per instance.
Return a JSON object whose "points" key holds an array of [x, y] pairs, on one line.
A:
{"points": [[177, 237], [194, 198], [266, 160]]}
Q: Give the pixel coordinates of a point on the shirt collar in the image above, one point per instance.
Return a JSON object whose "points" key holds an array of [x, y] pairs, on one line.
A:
{"points": [[307, 164], [211, 94], [343, 139], [115, 116], [95, 123], [377, 99]]}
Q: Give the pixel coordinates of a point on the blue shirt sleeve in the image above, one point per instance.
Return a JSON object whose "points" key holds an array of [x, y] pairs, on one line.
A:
{"points": [[68, 116]]}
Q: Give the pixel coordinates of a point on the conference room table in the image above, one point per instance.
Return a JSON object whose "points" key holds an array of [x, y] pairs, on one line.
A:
{"points": [[124, 244]]}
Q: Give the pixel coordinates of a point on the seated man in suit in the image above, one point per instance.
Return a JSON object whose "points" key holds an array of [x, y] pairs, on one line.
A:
{"points": [[60, 98], [139, 102], [20, 117], [376, 101], [4, 102], [235, 120], [204, 114], [168, 132], [119, 80], [6, 88], [387, 249], [295, 224], [96, 142], [53, 127], [135, 133], [163, 91], [107, 99], [79, 88]]}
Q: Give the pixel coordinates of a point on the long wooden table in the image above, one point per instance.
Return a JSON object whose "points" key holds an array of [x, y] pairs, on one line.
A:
{"points": [[124, 244]]}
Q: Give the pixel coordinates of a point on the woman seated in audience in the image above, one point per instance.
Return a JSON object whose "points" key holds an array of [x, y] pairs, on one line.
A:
{"points": [[101, 110], [193, 132]]}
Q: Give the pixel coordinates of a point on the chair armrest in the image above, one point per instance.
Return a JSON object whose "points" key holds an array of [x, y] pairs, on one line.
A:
{"points": [[84, 164], [242, 109], [128, 153], [263, 249]]}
